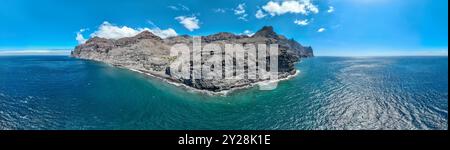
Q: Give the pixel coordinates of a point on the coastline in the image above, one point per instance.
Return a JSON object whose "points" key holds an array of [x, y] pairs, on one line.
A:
{"points": [[211, 93], [192, 89]]}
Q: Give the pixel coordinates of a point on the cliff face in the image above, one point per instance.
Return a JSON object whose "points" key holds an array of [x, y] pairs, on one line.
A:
{"points": [[151, 54]]}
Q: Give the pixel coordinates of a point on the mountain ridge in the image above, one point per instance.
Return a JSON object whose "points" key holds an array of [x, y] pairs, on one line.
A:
{"points": [[150, 54]]}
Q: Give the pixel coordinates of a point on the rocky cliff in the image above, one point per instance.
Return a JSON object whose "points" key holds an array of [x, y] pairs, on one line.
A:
{"points": [[149, 53]]}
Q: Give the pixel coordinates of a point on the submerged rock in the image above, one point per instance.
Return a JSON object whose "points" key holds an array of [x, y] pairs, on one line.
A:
{"points": [[150, 54]]}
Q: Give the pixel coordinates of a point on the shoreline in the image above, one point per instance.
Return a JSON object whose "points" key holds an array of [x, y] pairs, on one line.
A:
{"points": [[212, 93], [194, 90]]}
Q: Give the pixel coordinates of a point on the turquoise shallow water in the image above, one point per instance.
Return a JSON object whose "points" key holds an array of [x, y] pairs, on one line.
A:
{"points": [[57, 92]]}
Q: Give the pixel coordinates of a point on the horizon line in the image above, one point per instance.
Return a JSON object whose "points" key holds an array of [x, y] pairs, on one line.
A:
{"points": [[67, 52]]}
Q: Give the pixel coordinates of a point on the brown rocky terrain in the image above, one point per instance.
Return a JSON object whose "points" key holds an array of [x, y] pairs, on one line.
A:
{"points": [[150, 54]]}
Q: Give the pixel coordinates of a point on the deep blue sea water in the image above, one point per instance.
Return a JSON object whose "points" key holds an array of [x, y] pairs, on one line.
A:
{"points": [[58, 92]]}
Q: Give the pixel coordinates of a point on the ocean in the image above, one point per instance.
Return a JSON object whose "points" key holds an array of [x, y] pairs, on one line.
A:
{"points": [[330, 93]]}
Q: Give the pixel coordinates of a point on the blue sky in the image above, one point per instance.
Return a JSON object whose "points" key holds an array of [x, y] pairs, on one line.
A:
{"points": [[331, 27]]}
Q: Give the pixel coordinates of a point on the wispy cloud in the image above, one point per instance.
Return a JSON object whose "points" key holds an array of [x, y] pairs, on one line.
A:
{"points": [[173, 7], [241, 12], [183, 7], [179, 7], [220, 10], [260, 14]]}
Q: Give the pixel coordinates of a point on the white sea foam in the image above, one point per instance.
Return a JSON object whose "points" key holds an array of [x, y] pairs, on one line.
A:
{"points": [[212, 93]]}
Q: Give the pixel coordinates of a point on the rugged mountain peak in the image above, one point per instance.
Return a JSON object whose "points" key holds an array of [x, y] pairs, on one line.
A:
{"points": [[146, 35], [222, 36], [266, 31]]}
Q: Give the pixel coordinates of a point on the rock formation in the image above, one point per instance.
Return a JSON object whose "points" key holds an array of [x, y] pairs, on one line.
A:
{"points": [[150, 54]]}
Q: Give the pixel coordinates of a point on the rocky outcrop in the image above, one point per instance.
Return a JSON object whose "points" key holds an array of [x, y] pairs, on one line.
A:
{"points": [[149, 53]]}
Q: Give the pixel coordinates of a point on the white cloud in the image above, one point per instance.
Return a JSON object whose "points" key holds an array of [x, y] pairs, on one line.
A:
{"points": [[240, 9], [183, 7], [291, 6], [243, 17], [260, 14], [110, 31], [219, 10], [163, 33], [190, 23], [173, 7], [248, 33], [330, 9], [302, 22], [240, 12], [107, 30], [169, 32], [80, 38], [179, 7], [321, 30]]}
